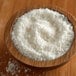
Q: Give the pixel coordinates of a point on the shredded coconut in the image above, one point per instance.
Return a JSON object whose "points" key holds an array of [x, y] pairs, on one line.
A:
{"points": [[27, 70], [42, 34], [12, 68]]}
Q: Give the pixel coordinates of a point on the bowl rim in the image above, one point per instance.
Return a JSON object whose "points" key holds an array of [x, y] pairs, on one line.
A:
{"points": [[51, 63]]}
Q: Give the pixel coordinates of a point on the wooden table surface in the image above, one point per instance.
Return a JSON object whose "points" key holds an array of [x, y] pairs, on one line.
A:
{"points": [[7, 9]]}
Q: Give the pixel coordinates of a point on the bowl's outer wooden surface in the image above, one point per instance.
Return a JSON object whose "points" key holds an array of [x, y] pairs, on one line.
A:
{"points": [[7, 9]]}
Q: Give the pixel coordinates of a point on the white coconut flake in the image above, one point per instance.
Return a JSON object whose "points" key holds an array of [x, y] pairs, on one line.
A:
{"points": [[12, 68], [42, 34], [27, 70]]}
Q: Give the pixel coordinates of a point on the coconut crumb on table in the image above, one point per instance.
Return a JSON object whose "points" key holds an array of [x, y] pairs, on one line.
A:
{"points": [[12, 67], [27, 70]]}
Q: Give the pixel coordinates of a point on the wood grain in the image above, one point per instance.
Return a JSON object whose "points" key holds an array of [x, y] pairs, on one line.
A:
{"points": [[7, 9]]}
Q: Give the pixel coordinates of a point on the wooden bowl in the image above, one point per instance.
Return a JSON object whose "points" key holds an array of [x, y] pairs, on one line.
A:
{"points": [[66, 57]]}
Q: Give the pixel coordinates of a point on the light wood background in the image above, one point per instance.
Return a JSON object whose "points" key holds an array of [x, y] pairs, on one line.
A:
{"points": [[7, 9]]}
